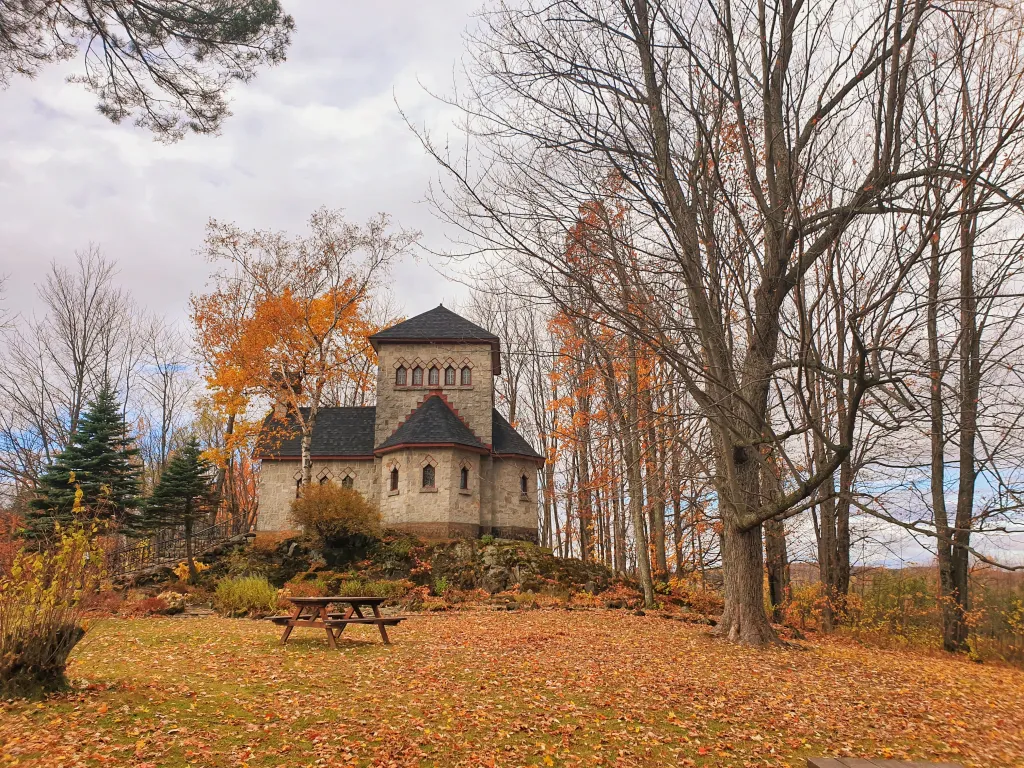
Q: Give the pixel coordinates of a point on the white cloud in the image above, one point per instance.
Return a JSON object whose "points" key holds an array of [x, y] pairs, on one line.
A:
{"points": [[321, 129]]}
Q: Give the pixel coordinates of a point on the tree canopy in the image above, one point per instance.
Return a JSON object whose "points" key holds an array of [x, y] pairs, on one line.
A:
{"points": [[168, 63]]}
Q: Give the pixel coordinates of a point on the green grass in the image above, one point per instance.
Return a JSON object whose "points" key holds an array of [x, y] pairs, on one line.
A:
{"points": [[524, 688]]}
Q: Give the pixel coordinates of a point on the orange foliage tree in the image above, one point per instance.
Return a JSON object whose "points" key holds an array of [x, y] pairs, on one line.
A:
{"points": [[287, 318]]}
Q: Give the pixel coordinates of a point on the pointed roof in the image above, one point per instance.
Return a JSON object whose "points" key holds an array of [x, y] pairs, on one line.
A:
{"points": [[505, 441], [432, 423], [440, 324]]}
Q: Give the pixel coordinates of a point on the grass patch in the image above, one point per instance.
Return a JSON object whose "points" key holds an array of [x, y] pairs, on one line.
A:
{"points": [[544, 688]]}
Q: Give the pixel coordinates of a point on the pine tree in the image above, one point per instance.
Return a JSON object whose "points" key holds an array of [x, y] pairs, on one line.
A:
{"points": [[184, 495], [100, 460]]}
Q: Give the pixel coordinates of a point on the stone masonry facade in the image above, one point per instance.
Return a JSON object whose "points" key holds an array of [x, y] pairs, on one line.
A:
{"points": [[487, 487]]}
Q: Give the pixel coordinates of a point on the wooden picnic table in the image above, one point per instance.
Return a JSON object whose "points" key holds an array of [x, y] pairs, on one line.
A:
{"points": [[313, 612]]}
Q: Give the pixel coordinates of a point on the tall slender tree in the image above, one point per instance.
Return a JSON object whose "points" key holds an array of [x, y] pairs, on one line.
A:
{"points": [[185, 494]]}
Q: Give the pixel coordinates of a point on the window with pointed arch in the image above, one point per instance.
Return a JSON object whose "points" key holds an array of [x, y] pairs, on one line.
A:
{"points": [[417, 376], [467, 376], [449, 376], [394, 479], [324, 480], [428, 476], [433, 376], [298, 488], [464, 479], [347, 481], [524, 485], [401, 376]]}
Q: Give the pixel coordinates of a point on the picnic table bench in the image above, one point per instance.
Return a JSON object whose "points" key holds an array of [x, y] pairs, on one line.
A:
{"points": [[313, 612], [851, 762]]}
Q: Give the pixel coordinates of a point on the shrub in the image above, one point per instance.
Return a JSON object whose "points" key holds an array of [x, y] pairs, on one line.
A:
{"points": [[148, 606], [373, 588], [40, 611], [245, 596], [332, 514], [181, 570]]}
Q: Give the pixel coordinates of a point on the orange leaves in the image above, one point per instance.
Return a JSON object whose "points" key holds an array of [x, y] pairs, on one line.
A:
{"points": [[526, 688]]}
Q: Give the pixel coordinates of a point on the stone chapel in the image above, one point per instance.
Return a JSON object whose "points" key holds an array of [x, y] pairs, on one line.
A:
{"points": [[434, 454]]}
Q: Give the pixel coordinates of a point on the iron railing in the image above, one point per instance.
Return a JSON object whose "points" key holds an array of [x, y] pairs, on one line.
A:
{"points": [[167, 547]]}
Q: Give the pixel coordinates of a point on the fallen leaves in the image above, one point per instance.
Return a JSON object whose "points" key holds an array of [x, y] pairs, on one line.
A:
{"points": [[538, 688]]}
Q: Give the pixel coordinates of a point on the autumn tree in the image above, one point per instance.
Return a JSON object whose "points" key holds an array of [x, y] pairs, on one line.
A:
{"points": [[287, 317], [166, 64], [749, 139]]}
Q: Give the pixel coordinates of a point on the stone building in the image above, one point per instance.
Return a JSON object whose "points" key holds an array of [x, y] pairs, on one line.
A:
{"points": [[434, 454]]}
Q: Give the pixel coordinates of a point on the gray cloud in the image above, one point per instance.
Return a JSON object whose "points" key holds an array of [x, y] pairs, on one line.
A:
{"points": [[321, 129]]}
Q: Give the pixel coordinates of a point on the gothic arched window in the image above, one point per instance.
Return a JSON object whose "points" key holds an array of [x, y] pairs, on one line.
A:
{"points": [[400, 376], [449, 376], [394, 479], [428, 476], [464, 479], [417, 376], [467, 376], [524, 484], [433, 376]]}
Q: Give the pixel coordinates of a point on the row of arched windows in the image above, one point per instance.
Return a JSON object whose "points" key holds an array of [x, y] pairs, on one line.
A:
{"points": [[404, 377], [429, 478]]}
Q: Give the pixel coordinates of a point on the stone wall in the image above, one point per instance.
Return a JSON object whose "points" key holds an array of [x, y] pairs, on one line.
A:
{"points": [[474, 403], [278, 486], [445, 504], [513, 515]]}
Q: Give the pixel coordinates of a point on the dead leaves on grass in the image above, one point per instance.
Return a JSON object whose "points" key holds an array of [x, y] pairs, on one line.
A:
{"points": [[504, 689]]}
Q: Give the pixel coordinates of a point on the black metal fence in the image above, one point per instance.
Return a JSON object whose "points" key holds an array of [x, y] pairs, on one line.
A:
{"points": [[168, 547]]}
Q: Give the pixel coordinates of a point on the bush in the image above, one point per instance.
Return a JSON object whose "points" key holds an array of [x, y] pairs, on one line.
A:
{"points": [[333, 514], [245, 596], [40, 611]]}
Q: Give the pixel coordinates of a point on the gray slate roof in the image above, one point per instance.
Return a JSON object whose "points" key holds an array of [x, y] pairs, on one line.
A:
{"points": [[437, 323], [338, 432], [432, 422], [505, 440], [350, 432]]}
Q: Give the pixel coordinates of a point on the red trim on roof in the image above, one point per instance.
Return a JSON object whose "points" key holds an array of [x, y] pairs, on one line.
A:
{"points": [[319, 457]]}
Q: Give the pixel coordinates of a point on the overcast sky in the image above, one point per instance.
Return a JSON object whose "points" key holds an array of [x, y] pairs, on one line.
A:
{"points": [[320, 129]]}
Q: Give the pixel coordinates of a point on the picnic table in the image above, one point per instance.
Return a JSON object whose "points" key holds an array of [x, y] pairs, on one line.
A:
{"points": [[313, 612]]}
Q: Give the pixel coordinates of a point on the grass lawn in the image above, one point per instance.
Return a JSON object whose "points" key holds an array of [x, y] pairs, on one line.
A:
{"points": [[548, 688]]}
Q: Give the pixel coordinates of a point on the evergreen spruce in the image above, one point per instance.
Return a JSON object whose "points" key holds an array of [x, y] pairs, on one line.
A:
{"points": [[184, 495], [100, 460]]}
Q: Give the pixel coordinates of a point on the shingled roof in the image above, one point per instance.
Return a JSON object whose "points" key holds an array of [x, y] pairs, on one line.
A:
{"points": [[506, 441], [433, 423], [440, 324], [338, 432], [435, 324], [341, 432]]}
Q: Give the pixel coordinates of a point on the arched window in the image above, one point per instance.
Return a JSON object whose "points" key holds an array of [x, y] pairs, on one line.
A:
{"points": [[464, 479], [433, 376], [298, 488], [347, 481], [449, 376], [400, 376], [524, 484], [417, 376], [467, 376], [394, 479], [428, 476]]}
